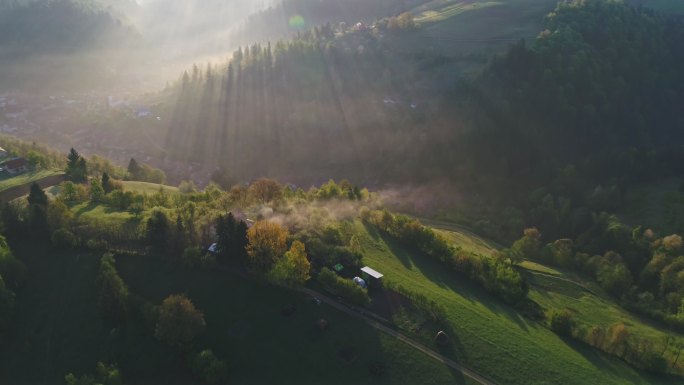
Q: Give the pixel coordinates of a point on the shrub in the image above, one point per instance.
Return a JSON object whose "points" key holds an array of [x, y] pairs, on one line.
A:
{"points": [[561, 322], [209, 368], [345, 288], [65, 239], [179, 321], [653, 362], [196, 257]]}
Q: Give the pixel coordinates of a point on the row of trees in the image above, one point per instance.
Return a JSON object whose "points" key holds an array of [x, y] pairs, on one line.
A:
{"points": [[496, 276], [617, 339]]}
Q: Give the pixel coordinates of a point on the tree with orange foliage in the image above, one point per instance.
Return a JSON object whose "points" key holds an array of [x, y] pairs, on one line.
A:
{"points": [[265, 190], [267, 241], [293, 268]]}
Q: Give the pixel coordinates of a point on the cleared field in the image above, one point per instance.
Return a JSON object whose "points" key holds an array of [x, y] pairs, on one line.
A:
{"points": [[28, 177], [493, 338], [97, 212], [147, 188]]}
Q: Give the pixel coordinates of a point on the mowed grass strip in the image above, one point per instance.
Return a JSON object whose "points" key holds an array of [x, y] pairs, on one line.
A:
{"points": [[491, 337]]}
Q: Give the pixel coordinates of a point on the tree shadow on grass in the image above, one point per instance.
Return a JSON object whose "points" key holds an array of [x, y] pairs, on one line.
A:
{"points": [[616, 366], [458, 283], [89, 207], [399, 252]]}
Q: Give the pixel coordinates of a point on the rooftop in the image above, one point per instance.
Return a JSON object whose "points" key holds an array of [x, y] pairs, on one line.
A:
{"points": [[371, 272]]}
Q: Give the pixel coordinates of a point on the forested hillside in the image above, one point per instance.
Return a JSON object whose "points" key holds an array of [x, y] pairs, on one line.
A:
{"points": [[310, 107], [41, 27], [582, 115]]}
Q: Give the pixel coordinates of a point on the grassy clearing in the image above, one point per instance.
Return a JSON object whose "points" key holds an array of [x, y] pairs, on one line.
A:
{"points": [[7, 182], [593, 308], [558, 288], [97, 212], [147, 188], [491, 337], [57, 329]]}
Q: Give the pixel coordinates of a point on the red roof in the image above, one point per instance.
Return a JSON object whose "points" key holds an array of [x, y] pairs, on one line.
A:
{"points": [[15, 163]]}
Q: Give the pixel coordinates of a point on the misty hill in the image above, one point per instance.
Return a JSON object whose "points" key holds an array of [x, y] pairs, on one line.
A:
{"points": [[58, 26], [64, 42], [584, 111], [308, 107]]}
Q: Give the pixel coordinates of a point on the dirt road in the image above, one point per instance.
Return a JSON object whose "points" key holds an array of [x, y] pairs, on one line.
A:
{"points": [[417, 345]]}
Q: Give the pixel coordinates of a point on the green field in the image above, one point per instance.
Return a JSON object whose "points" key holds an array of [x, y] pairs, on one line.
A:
{"points": [[147, 188], [7, 182], [57, 329], [493, 338], [98, 212]]}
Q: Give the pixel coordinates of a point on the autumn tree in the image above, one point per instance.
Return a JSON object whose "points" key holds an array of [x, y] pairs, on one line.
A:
{"points": [[561, 322], [528, 246], [265, 190], [293, 268], [267, 241], [179, 321]]}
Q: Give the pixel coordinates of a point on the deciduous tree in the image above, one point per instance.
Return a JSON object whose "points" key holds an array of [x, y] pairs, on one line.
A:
{"points": [[179, 321], [267, 241]]}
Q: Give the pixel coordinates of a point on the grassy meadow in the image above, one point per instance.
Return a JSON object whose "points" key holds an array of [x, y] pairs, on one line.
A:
{"points": [[493, 338]]}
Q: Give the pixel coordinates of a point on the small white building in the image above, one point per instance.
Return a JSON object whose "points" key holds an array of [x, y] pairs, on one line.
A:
{"points": [[3, 153], [371, 276]]}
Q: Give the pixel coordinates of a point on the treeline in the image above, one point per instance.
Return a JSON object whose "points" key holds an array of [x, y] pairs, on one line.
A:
{"points": [[494, 275], [636, 266]]}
